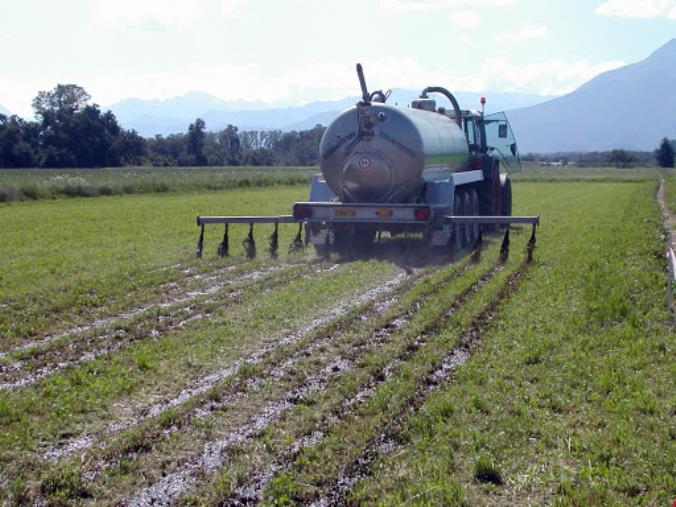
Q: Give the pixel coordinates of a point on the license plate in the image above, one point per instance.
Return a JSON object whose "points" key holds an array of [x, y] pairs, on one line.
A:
{"points": [[345, 212]]}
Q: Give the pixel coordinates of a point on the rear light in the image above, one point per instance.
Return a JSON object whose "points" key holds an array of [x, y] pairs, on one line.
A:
{"points": [[422, 214], [302, 212]]}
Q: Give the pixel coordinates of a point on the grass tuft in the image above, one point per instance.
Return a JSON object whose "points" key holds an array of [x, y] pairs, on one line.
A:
{"points": [[487, 471], [63, 484]]}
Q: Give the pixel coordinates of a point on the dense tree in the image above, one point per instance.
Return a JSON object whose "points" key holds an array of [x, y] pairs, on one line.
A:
{"points": [[195, 142], [18, 142], [665, 154], [620, 158], [71, 132], [61, 103]]}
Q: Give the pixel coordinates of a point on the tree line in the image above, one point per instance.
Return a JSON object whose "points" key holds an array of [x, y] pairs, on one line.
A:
{"points": [[68, 131], [663, 156]]}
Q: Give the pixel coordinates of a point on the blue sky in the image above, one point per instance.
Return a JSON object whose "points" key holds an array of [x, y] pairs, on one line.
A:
{"points": [[296, 51]]}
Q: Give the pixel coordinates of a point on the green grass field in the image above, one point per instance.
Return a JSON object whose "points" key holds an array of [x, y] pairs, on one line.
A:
{"points": [[33, 184], [131, 372]]}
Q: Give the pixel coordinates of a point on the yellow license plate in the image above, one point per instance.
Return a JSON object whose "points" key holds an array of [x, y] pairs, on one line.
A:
{"points": [[384, 213], [345, 212]]}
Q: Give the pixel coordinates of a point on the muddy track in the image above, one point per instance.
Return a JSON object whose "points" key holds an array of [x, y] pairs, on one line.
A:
{"points": [[170, 487], [251, 491], [320, 328], [155, 321], [388, 439]]}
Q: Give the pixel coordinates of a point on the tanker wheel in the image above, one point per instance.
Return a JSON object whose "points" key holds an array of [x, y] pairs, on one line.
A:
{"points": [[458, 229], [474, 200], [505, 195], [467, 211]]}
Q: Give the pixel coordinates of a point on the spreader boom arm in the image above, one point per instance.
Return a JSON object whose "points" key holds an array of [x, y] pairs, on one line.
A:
{"points": [[273, 219], [498, 220]]}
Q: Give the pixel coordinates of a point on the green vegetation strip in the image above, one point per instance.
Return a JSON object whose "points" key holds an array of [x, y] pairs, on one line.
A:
{"points": [[670, 189], [571, 399], [34, 184], [535, 173], [67, 262]]}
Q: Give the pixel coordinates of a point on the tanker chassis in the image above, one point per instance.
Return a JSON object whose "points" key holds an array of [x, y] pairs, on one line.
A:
{"points": [[424, 170]]}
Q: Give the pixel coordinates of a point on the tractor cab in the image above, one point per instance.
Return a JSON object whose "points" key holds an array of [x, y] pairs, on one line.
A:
{"points": [[500, 141]]}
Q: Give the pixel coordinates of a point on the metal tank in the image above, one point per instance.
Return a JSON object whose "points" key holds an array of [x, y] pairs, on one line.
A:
{"points": [[375, 152]]}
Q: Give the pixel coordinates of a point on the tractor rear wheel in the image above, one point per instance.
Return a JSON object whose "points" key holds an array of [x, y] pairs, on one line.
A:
{"points": [[489, 195], [474, 211], [505, 195], [467, 211]]}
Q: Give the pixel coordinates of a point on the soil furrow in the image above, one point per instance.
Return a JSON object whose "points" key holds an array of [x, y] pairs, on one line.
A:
{"points": [[250, 492], [387, 441], [99, 345], [204, 384]]}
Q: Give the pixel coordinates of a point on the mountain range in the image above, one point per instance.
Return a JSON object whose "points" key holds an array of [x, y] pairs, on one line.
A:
{"points": [[5, 111], [632, 107], [151, 117]]}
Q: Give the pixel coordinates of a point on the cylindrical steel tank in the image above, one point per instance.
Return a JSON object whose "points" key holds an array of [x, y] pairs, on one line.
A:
{"points": [[382, 153]]}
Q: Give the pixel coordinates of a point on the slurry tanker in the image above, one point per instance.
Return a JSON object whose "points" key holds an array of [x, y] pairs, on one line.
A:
{"points": [[440, 174]]}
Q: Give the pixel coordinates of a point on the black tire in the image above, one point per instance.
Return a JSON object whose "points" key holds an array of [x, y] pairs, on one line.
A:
{"points": [[489, 195], [474, 200], [467, 210], [505, 196], [458, 229]]}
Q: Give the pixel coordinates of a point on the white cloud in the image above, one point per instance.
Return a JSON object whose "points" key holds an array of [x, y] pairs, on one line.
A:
{"points": [[160, 15], [464, 19], [527, 32], [647, 9], [427, 5]]}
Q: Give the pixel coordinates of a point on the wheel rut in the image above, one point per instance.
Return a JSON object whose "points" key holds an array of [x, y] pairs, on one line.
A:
{"points": [[169, 488]]}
